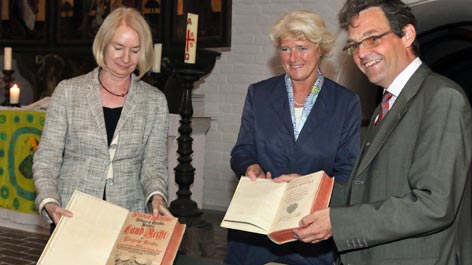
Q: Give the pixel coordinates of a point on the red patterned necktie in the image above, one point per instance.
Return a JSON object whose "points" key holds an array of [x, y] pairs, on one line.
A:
{"points": [[384, 106]]}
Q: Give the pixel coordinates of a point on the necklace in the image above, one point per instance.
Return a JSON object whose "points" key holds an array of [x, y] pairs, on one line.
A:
{"points": [[106, 89], [296, 104]]}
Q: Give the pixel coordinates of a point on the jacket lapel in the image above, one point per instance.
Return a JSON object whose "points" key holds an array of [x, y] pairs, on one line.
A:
{"points": [[317, 116], [95, 104], [130, 104], [376, 136], [279, 101]]}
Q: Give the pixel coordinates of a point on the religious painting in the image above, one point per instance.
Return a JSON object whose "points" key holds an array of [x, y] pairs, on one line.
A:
{"points": [[79, 20], [23, 21], [214, 22]]}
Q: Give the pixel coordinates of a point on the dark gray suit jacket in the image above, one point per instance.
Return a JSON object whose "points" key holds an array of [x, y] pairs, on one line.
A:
{"points": [[409, 197]]}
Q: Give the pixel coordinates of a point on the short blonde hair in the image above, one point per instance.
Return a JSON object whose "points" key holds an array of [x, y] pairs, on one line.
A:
{"points": [[303, 25], [133, 19]]}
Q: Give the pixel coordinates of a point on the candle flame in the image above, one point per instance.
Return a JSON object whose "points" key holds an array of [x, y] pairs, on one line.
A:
{"points": [[14, 94]]}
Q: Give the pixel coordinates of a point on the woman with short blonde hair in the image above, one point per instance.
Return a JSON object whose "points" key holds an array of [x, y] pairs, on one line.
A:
{"points": [[303, 25], [133, 19], [294, 124], [106, 131]]}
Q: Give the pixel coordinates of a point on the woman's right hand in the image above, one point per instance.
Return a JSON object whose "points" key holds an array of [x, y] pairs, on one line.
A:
{"points": [[255, 171], [56, 212]]}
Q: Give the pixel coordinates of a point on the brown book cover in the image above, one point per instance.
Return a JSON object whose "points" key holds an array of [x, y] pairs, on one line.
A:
{"points": [[103, 233], [274, 209]]}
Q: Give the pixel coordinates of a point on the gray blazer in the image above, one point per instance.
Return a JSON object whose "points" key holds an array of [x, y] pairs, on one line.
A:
{"points": [[73, 153], [409, 197]]}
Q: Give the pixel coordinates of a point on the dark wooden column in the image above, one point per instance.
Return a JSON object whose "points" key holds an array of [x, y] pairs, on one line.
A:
{"points": [[186, 75], [184, 207], [198, 240]]}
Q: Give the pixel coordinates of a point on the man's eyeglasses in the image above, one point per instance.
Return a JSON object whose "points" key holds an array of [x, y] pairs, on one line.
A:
{"points": [[368, 43]]}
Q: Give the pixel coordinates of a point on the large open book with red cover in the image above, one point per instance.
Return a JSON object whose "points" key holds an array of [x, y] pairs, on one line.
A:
{"points": [[103, 233], [274, 209]]}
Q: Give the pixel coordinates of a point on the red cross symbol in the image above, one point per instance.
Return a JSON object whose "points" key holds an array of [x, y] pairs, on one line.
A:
{"points": [[188, 40]]}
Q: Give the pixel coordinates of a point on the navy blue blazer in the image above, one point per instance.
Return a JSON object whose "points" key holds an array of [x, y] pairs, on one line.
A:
{"points": [[329, 140]]}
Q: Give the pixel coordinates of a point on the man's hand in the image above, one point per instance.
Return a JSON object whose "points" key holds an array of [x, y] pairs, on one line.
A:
{"points": [[314, 227], [255, 171], [56, 212]]}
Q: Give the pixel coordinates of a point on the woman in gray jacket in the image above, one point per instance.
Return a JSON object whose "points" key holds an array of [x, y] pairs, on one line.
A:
{"points": [[105, 132]]}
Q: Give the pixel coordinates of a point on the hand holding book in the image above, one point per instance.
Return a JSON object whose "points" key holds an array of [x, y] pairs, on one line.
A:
{"points": [[280, 206], [55, 212], [158, 206], [255, 171], [314, 227]]}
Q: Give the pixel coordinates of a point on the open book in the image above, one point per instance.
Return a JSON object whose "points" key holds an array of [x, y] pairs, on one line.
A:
{"points": [[274, 209], [102, 233]]}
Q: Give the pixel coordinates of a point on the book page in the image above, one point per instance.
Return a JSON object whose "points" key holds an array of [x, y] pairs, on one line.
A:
{"points": [[254, 205], [298, 201], [143, 239], [88, 236]]}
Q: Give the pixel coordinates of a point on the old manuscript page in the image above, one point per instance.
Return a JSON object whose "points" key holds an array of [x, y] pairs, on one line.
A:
{"points": [[89, 235], [297, 202], [254, 205]]}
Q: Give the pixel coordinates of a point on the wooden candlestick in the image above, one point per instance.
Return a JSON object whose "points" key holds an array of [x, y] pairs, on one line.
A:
{"points": [[184, 207]]}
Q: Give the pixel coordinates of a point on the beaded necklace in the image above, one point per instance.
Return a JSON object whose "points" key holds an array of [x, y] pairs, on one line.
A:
{"points": [[106, 89]]}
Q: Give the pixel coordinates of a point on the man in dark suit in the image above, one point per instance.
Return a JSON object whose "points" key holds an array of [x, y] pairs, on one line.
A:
{"points": [[409, 196]]}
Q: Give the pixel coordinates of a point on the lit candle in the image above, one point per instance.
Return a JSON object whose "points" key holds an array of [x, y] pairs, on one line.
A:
{"points": [[7, 58], [14, 94], [156, 66], [191, 38]]}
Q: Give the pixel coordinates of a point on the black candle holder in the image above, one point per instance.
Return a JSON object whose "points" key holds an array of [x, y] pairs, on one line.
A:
{"points": [[184, 207], [8, 81], [179, 79]]}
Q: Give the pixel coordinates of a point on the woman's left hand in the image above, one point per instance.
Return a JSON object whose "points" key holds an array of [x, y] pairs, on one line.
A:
{"points": [[286, 177], [159, 206]]}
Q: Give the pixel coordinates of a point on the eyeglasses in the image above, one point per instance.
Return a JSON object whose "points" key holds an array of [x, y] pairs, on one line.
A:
{"points": [[368, 43]]}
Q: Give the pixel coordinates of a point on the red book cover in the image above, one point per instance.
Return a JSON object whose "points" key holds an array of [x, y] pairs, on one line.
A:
{"points": [[104, 233]]}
